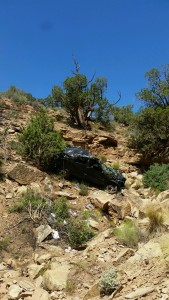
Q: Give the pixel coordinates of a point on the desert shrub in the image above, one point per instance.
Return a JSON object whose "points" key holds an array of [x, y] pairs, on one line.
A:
{"points": [[78, 233], [4, 243], [108, 282], [40, 142], [157, 177], [18, 96], [29, 199], [33, 199], [128, 233], [123, 115], [149, 132], [156, 218], [84, 191], [60, 209]]}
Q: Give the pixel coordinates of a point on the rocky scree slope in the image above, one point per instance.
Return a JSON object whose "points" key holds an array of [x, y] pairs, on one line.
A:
{"points": [[49, 269]]}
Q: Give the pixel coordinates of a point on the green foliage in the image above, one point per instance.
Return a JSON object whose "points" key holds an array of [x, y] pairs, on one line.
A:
{"points": [[103, 158], [157, 93], [83, 99], [116, 165], [30, 198], [60, 209], [123, 115], [78, 233], [157, 177], [84, 191], [149, 132], [108, 282], [33, 199], [128, 233], [40, 142], [18, 96], [4, 243]]}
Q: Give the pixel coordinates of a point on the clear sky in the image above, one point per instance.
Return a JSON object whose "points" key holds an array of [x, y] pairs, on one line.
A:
{"points": [[116, 39]]}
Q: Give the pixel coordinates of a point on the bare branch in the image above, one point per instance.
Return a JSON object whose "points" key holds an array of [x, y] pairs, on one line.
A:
{"points": [[119, 93]]}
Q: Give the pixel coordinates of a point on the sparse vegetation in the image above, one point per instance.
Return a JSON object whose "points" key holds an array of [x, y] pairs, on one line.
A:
{"points": [[84, 191], [157, 177], [40, 142], [60, 209], [70, 286], [18, 96], [156, 218], [128, 233], [4, 243], [108, 282], [116, 165]]}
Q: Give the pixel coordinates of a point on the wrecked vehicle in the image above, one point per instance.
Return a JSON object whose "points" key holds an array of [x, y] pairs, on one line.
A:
{"points": [[80, 164]]}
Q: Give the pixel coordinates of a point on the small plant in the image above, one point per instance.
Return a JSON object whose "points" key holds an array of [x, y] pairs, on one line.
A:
{"points": [[4, 243], [103, 158], [137, 186], [156, 218], [116, 165], [70, 286], [78, 233], [157, 177], [17, 207], [33, 199], [60, 209], [83, 190], [128, 233], [108, 282]]}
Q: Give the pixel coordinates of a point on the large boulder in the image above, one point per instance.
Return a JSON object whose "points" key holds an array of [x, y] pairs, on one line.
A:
{"points": [[56, 280], [24, 174]]}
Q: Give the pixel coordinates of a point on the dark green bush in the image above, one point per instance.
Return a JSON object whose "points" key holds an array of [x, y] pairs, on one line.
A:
{"points": [[40, 142], [60, 209], [157, 177], [149, 132], [78, 233], [123, 115]]}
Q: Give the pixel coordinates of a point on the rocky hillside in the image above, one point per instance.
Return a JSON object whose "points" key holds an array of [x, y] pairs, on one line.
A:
{"points": [[36, 262]]}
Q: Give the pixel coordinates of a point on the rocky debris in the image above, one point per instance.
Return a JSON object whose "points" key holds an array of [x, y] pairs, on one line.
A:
{"points": [[42, 233], [14, 291], [140, 292], [100, 199], [24, 174], [163, 196], [56, 280]]}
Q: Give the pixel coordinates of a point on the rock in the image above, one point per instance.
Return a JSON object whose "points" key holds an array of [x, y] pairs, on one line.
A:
{"points": [[44, 258], [40, 294], [9, 196], [125, 252], [140, 292], [98, 239], [33, 270], [163, 196], [24, 174], [94, 291], [56, 280], [65, 194], [150, 250], [14, 291], [26, 284], [106, 140], [100, 199], [42, 232], [94, 224], [21, 190], [120, 208]]}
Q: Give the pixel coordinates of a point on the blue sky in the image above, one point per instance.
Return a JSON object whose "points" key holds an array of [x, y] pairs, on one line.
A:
{"points": [[116, 39]]}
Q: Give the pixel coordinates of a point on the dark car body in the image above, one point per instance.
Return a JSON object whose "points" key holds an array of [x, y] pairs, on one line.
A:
{"points": [[80, 164]]}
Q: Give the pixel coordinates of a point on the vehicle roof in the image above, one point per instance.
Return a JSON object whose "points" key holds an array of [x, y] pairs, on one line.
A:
{"points": [[77, 151]]}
